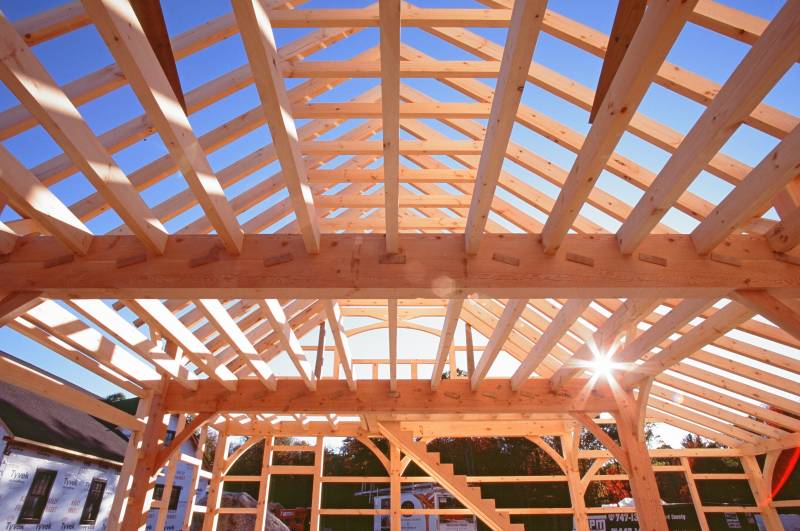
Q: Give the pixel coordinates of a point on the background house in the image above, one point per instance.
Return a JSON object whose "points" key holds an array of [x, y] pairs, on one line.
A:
{"points": [[59, 466]]}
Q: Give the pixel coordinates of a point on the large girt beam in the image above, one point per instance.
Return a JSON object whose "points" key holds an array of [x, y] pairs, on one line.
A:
{"points": [[262, 52], [435, 266], [526, 22], [659, 28], [374, 397]]}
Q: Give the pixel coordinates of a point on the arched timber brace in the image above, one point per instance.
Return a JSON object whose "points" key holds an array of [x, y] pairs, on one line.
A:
{"points": [[412, 201]]}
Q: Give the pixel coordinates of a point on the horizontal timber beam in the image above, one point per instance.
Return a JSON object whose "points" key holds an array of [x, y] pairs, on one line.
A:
{"points": [[432, 266], [376, 397]]}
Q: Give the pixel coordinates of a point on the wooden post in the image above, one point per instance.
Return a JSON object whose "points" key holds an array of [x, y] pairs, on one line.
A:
{"points": [[641, 476], [125, 481], [215, 486], [143, 481], [169, 478], [316, 487], [570, 443], [470, 350], [263, 486], [761, 493], [195, 481], [394, 486], [696, 501]]}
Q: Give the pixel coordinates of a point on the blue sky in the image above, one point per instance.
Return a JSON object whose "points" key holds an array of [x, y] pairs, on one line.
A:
{"points": [[82, 51]]}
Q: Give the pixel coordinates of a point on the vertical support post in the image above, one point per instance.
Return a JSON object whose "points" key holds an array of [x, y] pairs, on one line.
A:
{"points": [[570, 444], [191, 497], [263, 486], [641, 476], [169, 478], [125, 481], [316, 488], [215, 486], [696, 501], [394, 486], [761, 493], [470, 350], [143, 481]]}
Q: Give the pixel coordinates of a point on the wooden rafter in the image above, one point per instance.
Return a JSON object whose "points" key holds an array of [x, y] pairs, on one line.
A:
{"points": [[526, 21], [259, 41], [774, 53], [629, 15], [657, 32], [125, 38]]}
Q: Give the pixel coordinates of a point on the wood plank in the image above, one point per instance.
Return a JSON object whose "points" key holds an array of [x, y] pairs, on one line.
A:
{"points": [[763, 66], [118, 327], [19, 374], [406, 175], [30, 82], [603, 342], [641, 476], [8, 238], [158, 315], [216, 313], [259, 42], [785, 236], [629, 15], [61, 323], [717, 325], [434, 268], [446, 340], [526, 21], [125, 38], [748, 199], [392, 323], [445, 476], [667, 325], [343, 354], [30, 197], [660, 27], [288, 340], [390, 15], [151, 17], [16, 303], [183, 435], [375, 397], [771, 308], [559, 326], [511, 313]]}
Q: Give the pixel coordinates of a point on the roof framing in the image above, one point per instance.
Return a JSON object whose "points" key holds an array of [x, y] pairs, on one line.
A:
{"points": [[413, 215]]}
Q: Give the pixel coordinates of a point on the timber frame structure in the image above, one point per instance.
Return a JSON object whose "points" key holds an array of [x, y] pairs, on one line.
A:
{"points": [[217, 302]]}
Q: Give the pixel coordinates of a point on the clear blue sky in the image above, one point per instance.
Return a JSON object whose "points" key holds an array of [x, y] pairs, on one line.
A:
{"points": [[83, 51]]}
